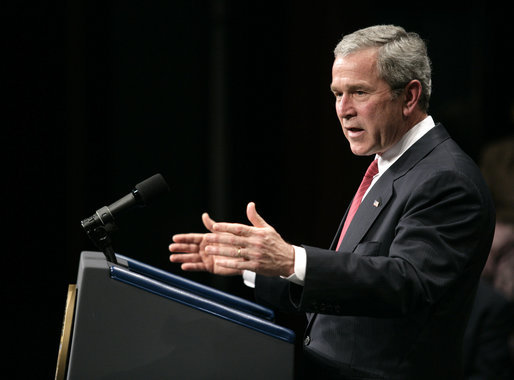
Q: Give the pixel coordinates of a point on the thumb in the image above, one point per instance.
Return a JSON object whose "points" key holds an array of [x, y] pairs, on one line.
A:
{"points": [[254, 217], [207, 221]]}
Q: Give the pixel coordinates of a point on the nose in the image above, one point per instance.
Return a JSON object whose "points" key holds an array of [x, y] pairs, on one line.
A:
{"points": [[344, 107]]}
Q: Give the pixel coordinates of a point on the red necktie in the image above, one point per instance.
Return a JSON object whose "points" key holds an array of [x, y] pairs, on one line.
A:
{"points": [[366, 181]]}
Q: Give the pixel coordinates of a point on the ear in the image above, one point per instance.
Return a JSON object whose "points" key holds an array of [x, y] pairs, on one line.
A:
{"points": [[412, 93]]}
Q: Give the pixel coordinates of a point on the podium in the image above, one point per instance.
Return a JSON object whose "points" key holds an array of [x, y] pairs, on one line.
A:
{"points": [[134, 321]]}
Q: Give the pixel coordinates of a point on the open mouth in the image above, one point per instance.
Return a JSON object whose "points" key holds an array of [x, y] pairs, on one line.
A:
{"points": [[354, 132]]}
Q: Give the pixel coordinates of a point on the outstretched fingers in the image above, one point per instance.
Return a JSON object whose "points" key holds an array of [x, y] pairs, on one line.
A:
{"points": [[232, 228], [183, 248], [193, 238], [236, 264], [186, 258], [194, 267], [225, 239]]}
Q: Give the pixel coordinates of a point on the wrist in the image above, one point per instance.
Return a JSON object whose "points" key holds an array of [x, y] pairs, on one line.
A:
{"points": [[290, 268]]}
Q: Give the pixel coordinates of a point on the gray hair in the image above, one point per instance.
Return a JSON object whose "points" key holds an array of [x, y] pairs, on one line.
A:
{"points": [[402, 56]]}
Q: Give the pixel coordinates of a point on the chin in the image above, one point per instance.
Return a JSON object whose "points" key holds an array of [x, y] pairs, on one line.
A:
{"points": [[359, 151]]}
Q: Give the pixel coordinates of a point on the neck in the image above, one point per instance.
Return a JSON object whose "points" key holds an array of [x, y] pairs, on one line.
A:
{"points": [[415, 118]]}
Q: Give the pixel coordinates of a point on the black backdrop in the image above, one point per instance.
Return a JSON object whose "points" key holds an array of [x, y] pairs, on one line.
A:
{"points": [[228, 99]]}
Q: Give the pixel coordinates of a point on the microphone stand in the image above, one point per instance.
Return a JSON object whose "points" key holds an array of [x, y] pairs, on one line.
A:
{"points": [[101, 237]]}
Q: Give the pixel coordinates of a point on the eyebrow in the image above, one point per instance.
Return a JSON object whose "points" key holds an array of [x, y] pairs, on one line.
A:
{"points": [[351, 87]]}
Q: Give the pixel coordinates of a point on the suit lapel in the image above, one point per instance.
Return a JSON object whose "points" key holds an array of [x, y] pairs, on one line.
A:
{"points": [[333, 245], [367, 212], [381, 192]]}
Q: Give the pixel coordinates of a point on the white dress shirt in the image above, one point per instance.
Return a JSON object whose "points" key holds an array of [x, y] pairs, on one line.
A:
{"points": [[385, 161]]}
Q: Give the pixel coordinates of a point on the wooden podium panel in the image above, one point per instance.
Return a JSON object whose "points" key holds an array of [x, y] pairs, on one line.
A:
{"points": [[69, 310]]}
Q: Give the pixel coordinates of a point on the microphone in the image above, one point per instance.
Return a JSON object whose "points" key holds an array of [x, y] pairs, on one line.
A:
{"points": [[98, 225]]}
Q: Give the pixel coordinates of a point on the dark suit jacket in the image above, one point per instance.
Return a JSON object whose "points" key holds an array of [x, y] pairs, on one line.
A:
{"points": [[394, 301]]}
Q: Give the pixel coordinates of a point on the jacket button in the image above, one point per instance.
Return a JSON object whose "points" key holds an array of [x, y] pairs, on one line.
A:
{"points": [[307, 340]]}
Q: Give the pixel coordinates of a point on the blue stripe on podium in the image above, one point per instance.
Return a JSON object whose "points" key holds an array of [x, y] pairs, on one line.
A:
{"points": [[207, 305], [198, 289]]}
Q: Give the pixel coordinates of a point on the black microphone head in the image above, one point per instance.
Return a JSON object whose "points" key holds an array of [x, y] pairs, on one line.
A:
{"points": [[151, 188]]}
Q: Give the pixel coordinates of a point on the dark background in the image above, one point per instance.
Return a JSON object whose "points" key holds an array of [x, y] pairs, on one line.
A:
{"points": [[228, 99]]}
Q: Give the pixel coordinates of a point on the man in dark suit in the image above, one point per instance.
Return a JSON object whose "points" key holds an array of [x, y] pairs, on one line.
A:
{"points": [[392, 295]]}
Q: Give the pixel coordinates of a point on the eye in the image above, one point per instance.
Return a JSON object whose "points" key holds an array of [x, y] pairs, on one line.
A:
{"points": [[359, 93]]}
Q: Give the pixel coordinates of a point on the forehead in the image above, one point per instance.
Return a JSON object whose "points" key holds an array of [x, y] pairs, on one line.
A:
{"points": [[359, 66]]}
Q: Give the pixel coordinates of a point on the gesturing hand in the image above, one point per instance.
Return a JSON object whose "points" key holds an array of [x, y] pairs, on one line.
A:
{"points": [[258, 248], [189, 249]]}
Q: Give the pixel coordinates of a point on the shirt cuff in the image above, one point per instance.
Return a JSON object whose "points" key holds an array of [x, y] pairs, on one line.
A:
{"points": [[249, 278], [300, 265]]}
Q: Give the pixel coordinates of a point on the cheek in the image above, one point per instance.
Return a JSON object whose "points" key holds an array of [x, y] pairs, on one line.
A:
{"points": [[371, 111], [381, 114], [371, 117]]}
